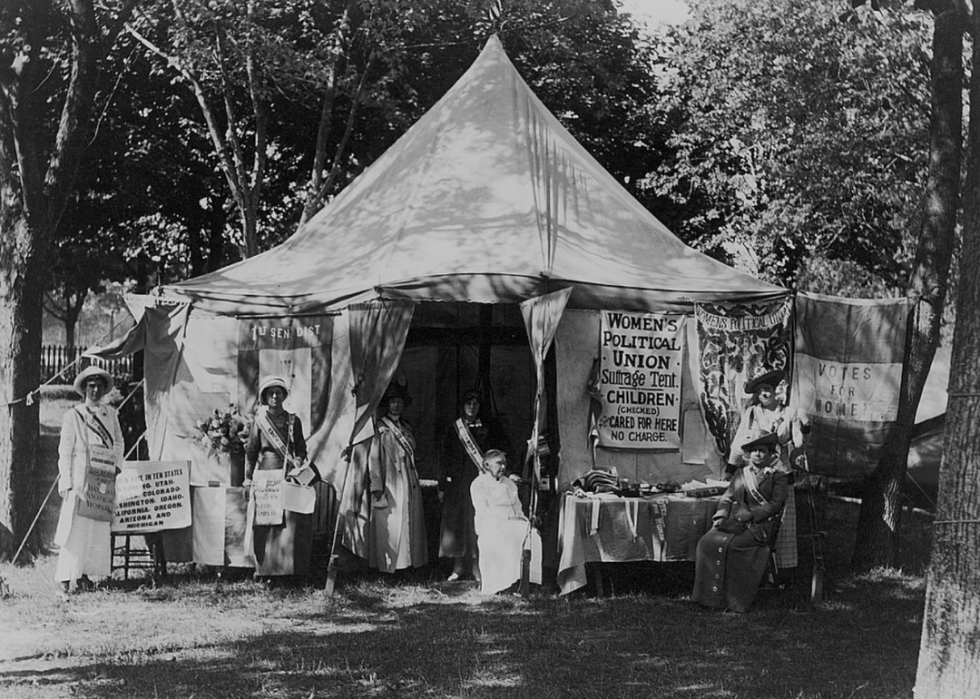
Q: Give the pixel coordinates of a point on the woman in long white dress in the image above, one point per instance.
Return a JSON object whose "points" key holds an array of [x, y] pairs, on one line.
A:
{"points": [[502, 529], [90, 433]]}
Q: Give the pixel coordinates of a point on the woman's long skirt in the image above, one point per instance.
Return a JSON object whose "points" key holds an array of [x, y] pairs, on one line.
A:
{"points": [[729, 569], [283, 549], [84, 545]]}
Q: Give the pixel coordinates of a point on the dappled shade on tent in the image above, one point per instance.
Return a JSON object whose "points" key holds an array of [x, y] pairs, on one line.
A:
{"points": [[486, 199]]}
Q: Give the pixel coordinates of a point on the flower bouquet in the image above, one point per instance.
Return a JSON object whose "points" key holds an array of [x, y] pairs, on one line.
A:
{"points": [[225, 431]]}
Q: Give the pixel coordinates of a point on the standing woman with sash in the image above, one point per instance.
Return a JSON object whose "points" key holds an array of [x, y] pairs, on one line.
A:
{"points": [[732, 556], [397, 524], [89, 431], [276, 448], [461, 460]]}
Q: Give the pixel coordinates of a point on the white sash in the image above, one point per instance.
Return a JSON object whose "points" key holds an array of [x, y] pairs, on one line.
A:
{"points": [[752, 485], [95, 425], [96, 494], [272, 434], [466, 437], [400, 436]]}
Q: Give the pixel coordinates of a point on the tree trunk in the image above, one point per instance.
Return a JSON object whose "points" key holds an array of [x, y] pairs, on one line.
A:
{"points": [[20, 364], [880, 517], [36, 179], [949, 654]]}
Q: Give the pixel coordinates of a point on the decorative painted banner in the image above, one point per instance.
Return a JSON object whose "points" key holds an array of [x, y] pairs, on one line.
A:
{"points": [[639, 380], [152, 496], [298, 350]]}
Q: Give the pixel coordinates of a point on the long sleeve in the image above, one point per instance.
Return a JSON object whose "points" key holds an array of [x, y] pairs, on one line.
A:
{"points": [[66, 451], [448, 463], [299, 441], [739, 438], [375, 464], [118, 442], [725, 502]]}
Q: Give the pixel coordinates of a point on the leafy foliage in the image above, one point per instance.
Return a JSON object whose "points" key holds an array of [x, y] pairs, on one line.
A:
{"points": [[800, 136]]}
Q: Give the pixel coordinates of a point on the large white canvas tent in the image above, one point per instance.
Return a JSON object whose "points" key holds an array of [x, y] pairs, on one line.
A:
{"points": [[487, 199], [416, 269]]}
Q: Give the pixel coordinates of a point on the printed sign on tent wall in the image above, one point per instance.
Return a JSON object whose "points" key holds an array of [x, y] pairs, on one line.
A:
{"points": [[639, 380]]}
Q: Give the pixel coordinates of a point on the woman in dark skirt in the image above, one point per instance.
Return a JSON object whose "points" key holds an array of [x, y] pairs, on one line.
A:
{"points": [[463, 447], [276, 443], [732, 556]]}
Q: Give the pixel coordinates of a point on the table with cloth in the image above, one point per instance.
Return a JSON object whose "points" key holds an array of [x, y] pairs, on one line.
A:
{"points": [[601, 528]]}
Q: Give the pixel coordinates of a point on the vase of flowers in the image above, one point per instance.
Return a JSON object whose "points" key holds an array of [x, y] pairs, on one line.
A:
{"points": [[223, 436]]}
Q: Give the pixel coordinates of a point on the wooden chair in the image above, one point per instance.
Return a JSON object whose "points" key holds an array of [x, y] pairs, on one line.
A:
{"points": [[771, 581]]}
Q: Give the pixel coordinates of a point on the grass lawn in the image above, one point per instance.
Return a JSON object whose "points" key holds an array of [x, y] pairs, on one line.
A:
{"points": [[196, 635]]}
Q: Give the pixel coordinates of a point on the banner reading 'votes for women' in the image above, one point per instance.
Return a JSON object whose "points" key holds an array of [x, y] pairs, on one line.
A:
{"points": [[639, 380], [849, 356]]}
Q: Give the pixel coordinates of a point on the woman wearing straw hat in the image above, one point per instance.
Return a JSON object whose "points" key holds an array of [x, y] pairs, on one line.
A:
{"points": [[91, 444], [276, 448], [397, 519]]}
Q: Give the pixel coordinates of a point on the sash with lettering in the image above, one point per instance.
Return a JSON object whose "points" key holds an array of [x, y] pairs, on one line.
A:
{"points": [[269, 511], [96, 498], [399, 435], [466, 437]]}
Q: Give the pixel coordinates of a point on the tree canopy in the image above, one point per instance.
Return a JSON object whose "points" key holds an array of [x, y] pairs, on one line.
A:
{"points": [[800, 141]]}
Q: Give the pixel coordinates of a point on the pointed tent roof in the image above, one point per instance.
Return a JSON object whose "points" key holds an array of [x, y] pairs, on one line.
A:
{"points": [[486, 199]]}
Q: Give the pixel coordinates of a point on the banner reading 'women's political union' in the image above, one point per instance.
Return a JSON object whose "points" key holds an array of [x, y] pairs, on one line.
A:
{"points": [[639, 380]]}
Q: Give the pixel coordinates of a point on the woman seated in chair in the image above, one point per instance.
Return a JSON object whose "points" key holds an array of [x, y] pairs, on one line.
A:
{"points": [[502, 529], [732, 556]]}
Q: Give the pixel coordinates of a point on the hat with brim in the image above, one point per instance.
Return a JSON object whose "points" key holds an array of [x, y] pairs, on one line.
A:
{"points": [[396, 390], [771, 378], [90, 372], [272, 382], [767, 439]]}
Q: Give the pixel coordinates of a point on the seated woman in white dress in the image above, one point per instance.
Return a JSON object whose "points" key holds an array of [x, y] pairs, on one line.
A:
{"points": [[502, 530]]}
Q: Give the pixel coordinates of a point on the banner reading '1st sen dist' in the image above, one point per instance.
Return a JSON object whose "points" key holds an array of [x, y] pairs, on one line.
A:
{"points": [[639, 380]]}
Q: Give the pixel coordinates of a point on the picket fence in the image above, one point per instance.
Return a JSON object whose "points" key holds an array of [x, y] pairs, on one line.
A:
{"points": [[54, 358]]}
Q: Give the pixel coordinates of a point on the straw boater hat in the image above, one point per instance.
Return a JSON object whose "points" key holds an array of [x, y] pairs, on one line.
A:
{"points": [[761, 438], [396, 390], [271, 382], [770, 377], [88, 373]]}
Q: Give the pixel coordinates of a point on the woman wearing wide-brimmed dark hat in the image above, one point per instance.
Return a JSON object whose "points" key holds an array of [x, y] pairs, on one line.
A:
{"points": [[461, 457], [732, 556], [90, 431], [767, 412], [276, 443], [397, 523]]}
